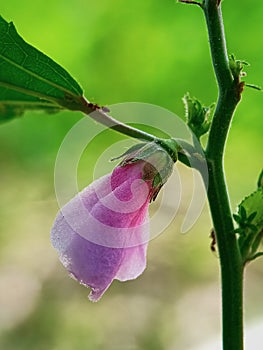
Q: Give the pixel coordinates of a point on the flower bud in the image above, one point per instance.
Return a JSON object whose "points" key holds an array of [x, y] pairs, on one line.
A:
{"points": [[102, 233]]}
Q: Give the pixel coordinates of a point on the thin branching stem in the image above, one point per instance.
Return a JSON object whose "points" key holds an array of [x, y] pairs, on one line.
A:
{"points": [[187, 153], [190, 2]]}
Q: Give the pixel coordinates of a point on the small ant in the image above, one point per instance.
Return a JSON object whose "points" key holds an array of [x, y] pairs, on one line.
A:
{"points": [[95, 106]]}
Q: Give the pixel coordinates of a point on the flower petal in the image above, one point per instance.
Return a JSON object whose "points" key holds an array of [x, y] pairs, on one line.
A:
{"points": [[102, 233], [133, 263], [93, 265]]}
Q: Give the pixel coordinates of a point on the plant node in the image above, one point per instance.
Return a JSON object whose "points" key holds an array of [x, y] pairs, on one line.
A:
{"points": [[190, 2]]}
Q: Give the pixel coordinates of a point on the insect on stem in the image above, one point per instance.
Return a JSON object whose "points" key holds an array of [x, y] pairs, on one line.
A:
{"points": [[213, 240]]}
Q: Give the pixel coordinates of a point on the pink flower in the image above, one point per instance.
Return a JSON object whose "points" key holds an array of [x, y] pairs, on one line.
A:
{"points": [[103, 232]]}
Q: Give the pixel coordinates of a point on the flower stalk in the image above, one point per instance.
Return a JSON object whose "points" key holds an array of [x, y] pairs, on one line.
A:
{"points": [[184, 151]]}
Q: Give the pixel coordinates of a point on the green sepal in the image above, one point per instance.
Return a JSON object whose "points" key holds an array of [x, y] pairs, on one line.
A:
{"points": [[157, 181], [171, 146], [143, 151], [131, 150]]}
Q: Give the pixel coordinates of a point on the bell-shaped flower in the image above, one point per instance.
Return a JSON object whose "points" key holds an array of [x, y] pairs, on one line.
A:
{"points": [[103, 232]]}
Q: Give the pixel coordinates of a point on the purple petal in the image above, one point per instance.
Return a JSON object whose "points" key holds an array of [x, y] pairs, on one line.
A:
{"points": [[93, 265], [102, 233]]}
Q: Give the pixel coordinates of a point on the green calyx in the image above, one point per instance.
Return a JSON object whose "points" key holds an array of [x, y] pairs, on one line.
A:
{"points": [[142, 151], [171, 147]]}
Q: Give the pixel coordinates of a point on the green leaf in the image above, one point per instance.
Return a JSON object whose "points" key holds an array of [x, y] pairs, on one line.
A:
{"points": [[31, 80], [250, 222], [253, 207]]}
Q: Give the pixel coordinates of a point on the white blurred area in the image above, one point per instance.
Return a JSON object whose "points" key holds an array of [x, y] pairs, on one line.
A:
{"points": [[26, 258]]}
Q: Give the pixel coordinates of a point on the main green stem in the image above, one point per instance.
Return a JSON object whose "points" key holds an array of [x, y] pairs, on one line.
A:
{"points": [[230, 259]]}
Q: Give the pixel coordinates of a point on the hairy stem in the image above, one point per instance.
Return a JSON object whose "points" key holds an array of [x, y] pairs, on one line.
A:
{"points": [[230, 260]]}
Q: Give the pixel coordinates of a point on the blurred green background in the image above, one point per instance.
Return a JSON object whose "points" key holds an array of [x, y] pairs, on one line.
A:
{"points": [[144, 51]]}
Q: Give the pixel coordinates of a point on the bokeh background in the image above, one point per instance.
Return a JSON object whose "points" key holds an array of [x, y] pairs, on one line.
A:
{"points": [[144, 51]]}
